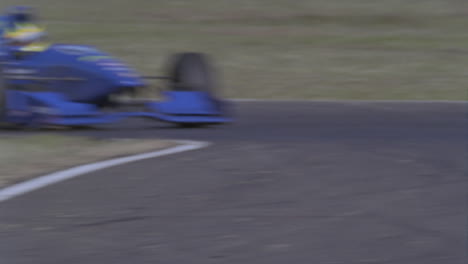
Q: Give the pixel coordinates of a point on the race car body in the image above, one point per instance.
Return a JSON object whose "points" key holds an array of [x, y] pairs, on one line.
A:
{"points": [[97, 74], [63, 84]]}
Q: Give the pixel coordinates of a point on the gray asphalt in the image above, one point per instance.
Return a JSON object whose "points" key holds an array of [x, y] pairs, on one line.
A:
{"points": [[287, 182]]}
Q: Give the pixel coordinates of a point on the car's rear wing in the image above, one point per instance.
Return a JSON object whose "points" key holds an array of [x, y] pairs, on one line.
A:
{"points": [[3, 24]]}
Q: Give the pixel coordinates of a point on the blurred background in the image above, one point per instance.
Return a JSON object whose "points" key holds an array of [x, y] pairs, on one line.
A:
{"points": [[354, 49], [326, 182]]}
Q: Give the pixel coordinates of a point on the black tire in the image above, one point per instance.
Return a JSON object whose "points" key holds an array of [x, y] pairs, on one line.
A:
{"points": [[191, 72], [3, 87]]}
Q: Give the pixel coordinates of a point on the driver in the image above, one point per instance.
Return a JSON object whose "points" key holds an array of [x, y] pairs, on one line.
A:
{"points": [[23, 33]]}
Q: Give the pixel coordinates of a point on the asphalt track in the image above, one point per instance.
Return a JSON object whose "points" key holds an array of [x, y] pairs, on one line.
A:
{"points": [[291, 182]]}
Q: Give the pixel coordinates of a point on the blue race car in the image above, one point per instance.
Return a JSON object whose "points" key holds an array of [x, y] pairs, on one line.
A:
{"points": [[71, 85]]}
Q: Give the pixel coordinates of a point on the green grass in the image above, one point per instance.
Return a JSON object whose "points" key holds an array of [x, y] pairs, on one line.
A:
{"points": [[354, 49]]}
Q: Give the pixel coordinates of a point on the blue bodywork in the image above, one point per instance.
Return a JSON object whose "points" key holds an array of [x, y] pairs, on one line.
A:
{"points": [[67, 84]]}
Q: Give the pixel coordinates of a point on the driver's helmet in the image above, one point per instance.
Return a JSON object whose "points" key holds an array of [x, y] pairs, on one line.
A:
{"points": [[23, 32]]}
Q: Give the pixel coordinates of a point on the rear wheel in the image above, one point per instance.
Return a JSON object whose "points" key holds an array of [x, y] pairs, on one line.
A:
{"points": [[3, 105], [2, 97]]}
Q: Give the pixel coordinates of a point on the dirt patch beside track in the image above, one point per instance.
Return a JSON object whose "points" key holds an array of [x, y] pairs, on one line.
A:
{"points": [[24, 158]]}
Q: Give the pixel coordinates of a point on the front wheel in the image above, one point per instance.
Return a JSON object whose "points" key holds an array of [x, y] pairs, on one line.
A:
{"points": [[191, 71]]}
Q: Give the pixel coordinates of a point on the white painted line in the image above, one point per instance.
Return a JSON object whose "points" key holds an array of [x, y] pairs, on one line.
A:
{"points": [[49, 179]]}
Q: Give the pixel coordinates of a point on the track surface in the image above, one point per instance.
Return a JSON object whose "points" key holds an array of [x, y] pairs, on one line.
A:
{"points": [[288, 182]]}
